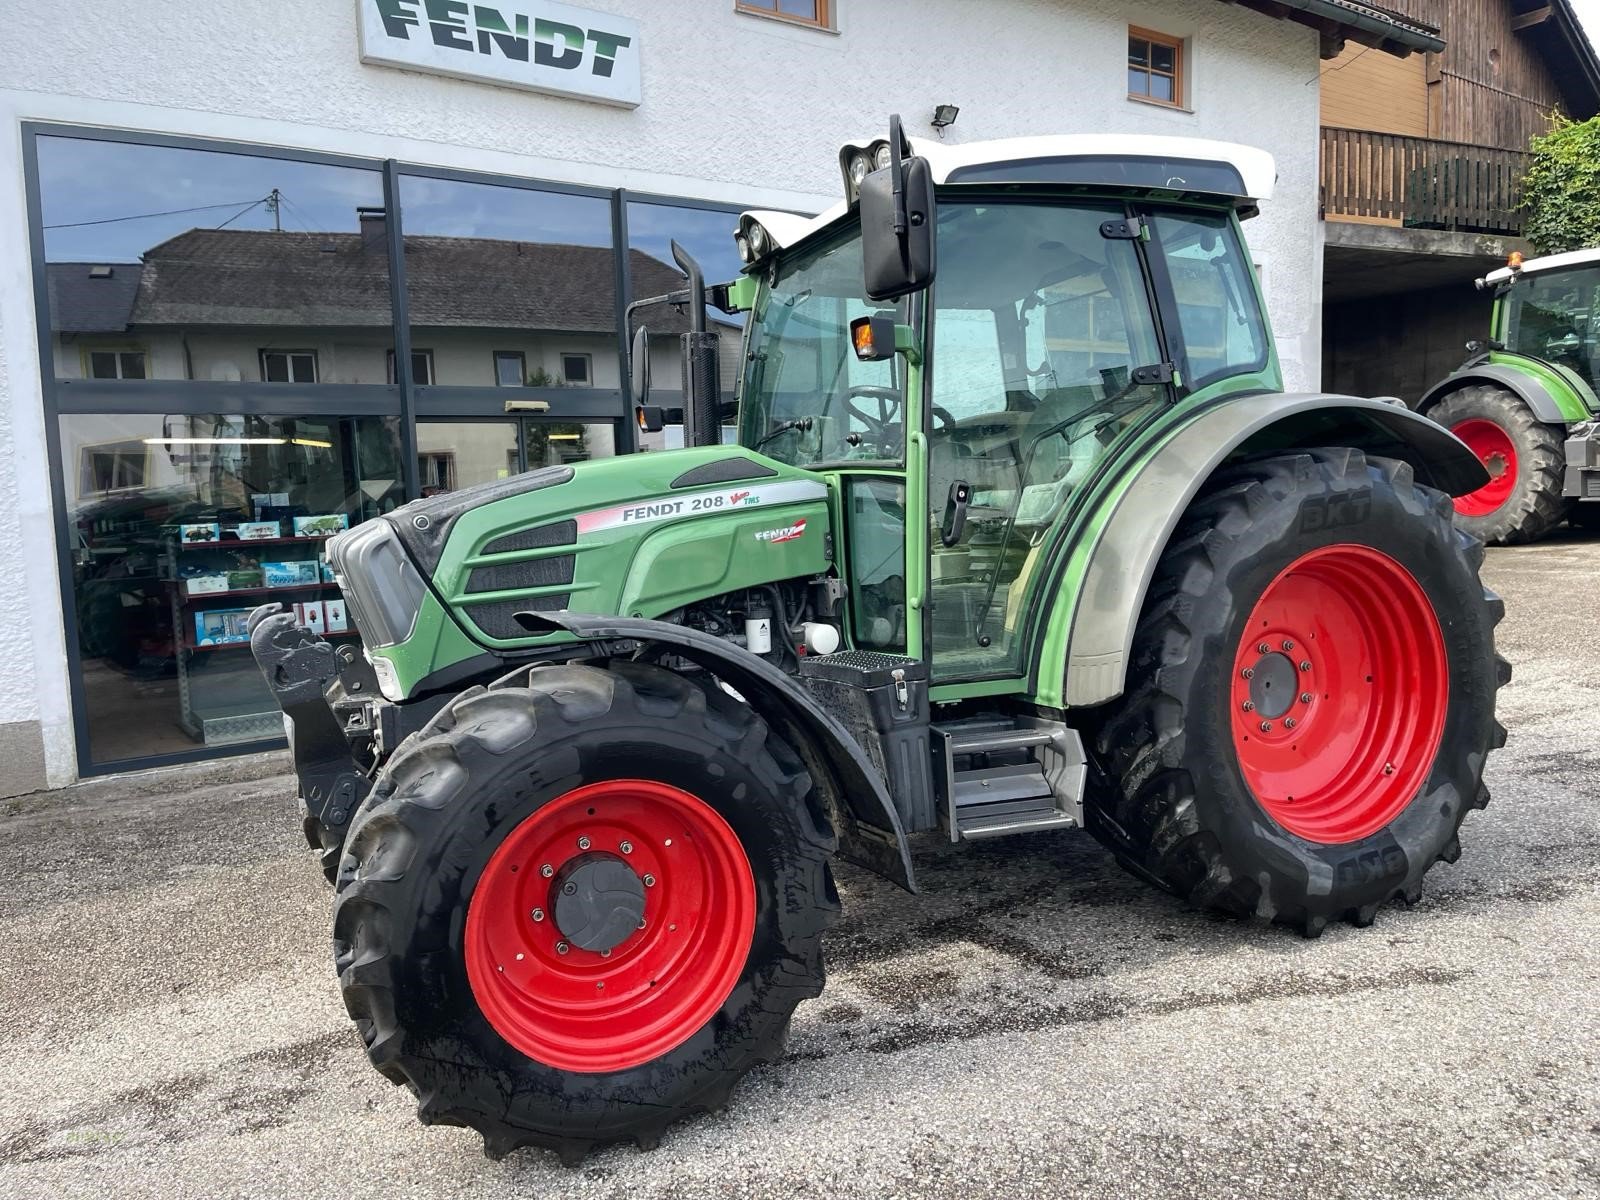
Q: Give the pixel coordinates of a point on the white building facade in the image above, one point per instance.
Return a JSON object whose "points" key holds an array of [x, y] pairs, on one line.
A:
{"points": [[154, 381]]}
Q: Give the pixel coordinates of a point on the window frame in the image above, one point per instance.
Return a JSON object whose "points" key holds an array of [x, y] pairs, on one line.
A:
{"points": [[425, 355], [289, 356], [88, 350], [522, 368], [823, 20], [1178, 75], [588, 369]]}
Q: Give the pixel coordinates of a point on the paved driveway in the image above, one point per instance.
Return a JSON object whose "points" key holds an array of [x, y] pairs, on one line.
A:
{"points": [[1037, 1024]]}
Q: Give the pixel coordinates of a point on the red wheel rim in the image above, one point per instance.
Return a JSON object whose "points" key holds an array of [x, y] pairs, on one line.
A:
{"points": [[583, 1010], [1339, 692], [1495, 450]]}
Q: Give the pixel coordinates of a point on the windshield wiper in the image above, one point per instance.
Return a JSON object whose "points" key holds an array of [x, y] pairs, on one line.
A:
{"points": [[803, 424]]}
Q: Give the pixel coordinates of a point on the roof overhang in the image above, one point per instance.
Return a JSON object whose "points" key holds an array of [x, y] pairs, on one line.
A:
{"points": [[1341, 21], [1552, 28]]}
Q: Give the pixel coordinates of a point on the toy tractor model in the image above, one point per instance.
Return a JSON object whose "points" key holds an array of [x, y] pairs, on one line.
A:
{"points": [[1019, 534], [1525, 400]]}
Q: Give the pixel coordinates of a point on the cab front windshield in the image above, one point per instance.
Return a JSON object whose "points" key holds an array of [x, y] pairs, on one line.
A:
{"points": [[807, 399], [1553, 315]]}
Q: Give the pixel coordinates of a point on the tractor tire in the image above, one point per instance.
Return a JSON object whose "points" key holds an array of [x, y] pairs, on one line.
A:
{"points": [[485, 923], [1526, 458], [1340, 582]]}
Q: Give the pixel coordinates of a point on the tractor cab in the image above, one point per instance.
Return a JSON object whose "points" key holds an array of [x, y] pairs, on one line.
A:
{"points": [[1047, 300]]}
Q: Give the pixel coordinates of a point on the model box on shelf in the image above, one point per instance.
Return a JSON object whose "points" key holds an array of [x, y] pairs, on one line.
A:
{"points": [[199, 534], [289, 574], [257, 531], [323, 526], [311, 616], [200, 585], [222, 626], [243, 578], [333, 615]]}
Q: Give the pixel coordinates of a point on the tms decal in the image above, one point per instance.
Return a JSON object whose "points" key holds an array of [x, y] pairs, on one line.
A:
{"points": [[787, 534]]}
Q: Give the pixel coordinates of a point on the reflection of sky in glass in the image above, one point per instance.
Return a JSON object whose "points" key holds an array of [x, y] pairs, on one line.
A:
{"points": [[81, 180], [447, 208], [706, 235]]}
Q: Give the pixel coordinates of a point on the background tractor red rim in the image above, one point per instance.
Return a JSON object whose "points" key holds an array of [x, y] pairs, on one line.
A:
{"points": [[1342, 754], [582, 1011], [1493, 447]]}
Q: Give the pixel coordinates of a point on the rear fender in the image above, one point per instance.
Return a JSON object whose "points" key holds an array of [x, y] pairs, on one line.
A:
{"points": [[1549, 405], [855, 796], [1094, 654]]}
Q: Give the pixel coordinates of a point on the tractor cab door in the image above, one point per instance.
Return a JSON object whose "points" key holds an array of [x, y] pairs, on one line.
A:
{"points": [[1045, 352]]}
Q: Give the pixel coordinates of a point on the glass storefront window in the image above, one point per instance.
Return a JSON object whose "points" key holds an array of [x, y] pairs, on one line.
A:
{"points": [[458, 454], [504, 282], [708, 235], [179, 526], [170, 263]]}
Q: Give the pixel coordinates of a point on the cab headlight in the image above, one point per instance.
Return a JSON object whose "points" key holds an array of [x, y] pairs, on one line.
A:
{"points": [[881, 157], [860, 167], [758, 241], [743, 243]]}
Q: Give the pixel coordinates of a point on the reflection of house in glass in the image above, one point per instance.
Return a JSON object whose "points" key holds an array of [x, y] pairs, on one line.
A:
{"points": [[295, 307]]}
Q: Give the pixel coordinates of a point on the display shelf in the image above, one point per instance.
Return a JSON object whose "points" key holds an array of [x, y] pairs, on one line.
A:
{"points": [[244, 644], [240, 543], [189, 597]]}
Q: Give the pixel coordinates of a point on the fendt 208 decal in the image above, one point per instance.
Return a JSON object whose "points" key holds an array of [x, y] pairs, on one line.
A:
{"points": [[669, 508]]}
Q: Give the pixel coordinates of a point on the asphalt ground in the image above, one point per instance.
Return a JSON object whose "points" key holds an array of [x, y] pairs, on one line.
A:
{"points": [[1037, 1023]]}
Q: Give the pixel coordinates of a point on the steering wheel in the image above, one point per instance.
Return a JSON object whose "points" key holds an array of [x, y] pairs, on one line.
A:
{"points": [[943, 415], [888, 399]]}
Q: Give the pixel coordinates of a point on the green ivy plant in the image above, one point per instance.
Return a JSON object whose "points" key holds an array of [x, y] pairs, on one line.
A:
{"points": [[1561, 190]]}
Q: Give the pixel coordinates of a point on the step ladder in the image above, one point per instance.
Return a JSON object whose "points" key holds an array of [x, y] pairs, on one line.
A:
{"points": [[998, 775]]}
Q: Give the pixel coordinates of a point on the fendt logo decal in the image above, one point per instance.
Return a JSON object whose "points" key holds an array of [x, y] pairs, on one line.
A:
{"points": [[700, 504], [786, 534]]}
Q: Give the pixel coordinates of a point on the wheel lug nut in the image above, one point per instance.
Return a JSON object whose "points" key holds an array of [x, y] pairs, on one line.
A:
{"points": [[1248, 672], [562, 947], [649, 881], [1287, 645], [583, 843], [1305, 697], [641, 924], [1289, 722], [1305, 664], [1388, 768], [1248, 706], [1266, 727], [547, 870], [537, 914], [1263, 648], [569, 889], [626, 847], [605, 954]]}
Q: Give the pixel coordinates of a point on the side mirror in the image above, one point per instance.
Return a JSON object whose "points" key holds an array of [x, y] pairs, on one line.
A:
{"points": [[897, 224], [639, 365]]}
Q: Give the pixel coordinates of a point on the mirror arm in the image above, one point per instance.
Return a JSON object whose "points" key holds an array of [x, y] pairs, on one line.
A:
{"points": [[897, 169]]}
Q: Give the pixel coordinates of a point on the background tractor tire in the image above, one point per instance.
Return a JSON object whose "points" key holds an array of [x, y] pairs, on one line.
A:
{"points": [[1527, 459], [470, 982], [1341, 583]]}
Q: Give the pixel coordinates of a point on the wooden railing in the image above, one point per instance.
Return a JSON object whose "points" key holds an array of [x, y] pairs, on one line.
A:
{"points": [[1421, 182]]}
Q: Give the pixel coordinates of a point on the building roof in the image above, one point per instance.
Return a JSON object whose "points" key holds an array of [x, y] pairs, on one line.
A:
{"points": [[229, 277], [1555, 31], [97, 302]]}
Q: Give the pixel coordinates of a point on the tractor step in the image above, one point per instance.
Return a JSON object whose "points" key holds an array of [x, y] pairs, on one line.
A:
{"points": [[1007, 774]]}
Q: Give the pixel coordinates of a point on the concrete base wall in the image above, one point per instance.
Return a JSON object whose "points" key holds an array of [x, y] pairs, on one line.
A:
{"points": [[22, 759]]}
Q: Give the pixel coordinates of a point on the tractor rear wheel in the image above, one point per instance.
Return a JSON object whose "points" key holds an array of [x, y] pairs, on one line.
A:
{"points": [[1526, 460], [1310, 698], [572, 913]]}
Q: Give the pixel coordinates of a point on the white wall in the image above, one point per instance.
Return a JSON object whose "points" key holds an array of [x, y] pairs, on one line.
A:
{"points": [[736, 108]]}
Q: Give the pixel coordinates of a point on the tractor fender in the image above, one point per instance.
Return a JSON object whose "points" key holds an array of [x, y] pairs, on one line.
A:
{"points": [[854, 794], [1123, 560], [1532, 391]]}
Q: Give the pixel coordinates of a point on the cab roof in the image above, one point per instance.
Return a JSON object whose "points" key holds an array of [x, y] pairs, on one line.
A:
{"points": [[1112, 161], [1550, 262]]}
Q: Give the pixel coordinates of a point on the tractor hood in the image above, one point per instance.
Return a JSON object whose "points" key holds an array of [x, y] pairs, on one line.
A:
{"points": [[635, 536]]}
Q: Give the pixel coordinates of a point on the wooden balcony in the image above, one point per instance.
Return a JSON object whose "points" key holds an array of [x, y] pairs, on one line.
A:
{"points": [[1387, 179]]}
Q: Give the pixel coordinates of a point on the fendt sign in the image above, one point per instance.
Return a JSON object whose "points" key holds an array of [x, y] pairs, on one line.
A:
{"points": [[541, 46]]}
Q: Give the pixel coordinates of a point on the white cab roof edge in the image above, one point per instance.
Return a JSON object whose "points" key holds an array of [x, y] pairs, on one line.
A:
{"points": [[1550, 262], [1255, 166]]}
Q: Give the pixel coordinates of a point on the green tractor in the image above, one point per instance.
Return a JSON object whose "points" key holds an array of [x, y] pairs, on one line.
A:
{"points": [[1018, 534], [1525, 400]]}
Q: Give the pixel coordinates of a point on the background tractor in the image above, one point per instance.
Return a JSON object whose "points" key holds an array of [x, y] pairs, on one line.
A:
{"points": [[1019, 533], [1525, 401]]}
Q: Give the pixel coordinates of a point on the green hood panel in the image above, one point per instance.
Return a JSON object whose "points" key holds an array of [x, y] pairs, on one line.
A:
{"points": [[636, 536]]}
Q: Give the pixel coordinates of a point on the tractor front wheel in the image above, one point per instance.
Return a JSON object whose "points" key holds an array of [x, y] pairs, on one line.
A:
{"points": [[572, 913], [1311, 695], [1526, 460]]}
